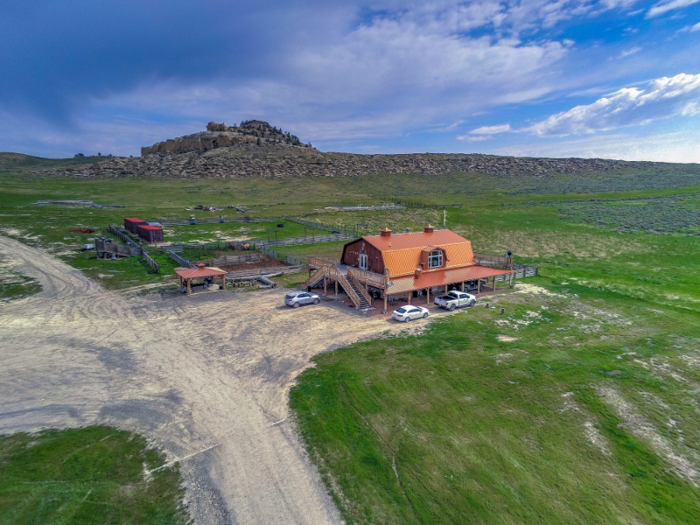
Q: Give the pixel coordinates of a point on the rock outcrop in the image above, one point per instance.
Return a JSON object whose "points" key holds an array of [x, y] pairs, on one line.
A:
{"points": [[222, 136]]}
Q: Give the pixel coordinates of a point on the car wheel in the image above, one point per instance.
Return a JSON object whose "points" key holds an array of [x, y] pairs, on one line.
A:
{"points": [[425, 315], [472, 303], [316, 301], [295, 305], [452, 307], [406, 319]]}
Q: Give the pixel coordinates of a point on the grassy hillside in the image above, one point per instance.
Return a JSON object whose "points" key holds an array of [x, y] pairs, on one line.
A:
{"points": [[91, 475]]}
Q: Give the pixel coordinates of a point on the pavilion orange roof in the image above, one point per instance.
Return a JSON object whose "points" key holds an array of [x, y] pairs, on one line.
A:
{"points": [[200, 271]]}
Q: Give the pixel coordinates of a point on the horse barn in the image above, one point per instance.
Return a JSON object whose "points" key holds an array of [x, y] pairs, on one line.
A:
{"points": [[407, 265]]}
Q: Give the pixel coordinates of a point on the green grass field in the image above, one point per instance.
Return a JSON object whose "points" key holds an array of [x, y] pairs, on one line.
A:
{"points": [[92, 475], [578, 405]]}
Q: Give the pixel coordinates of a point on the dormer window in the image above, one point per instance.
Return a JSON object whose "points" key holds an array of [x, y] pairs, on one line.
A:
{"points": [[435, 259]]}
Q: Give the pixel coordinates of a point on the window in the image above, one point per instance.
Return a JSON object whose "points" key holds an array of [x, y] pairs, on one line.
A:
{"points": [[435, 259]]}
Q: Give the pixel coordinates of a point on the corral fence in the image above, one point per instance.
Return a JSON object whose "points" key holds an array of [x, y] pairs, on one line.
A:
{"points": [[276, 255], [155, 267], [488, 259], [313, 239], [123, 236], [410, 204], [179, 260], [521, 271], [308, 224], [247, 274], [105, 249], [210, 246], [235, 259]]}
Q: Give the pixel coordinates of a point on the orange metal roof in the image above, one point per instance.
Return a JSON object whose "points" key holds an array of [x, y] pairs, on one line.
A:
{"points": [[402, 252], [201, 271], [402, 241], [443, 277]]}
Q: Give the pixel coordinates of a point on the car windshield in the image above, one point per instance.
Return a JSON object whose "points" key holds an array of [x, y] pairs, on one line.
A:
{"points": [[401, 310]]}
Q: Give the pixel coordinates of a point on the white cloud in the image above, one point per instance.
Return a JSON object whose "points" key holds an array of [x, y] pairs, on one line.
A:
{"points": [[491, 130], [666, 6], [690, 29], [678, 146], [662, 98], [629, 52], [474, 138]]}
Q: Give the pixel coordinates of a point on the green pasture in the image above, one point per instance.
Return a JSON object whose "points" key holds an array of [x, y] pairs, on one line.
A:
{"points": [[578, 405], [91, 475]]}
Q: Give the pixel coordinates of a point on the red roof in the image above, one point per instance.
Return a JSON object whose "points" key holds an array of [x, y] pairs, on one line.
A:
{"points": [[146, 227], [200, 271], [133, 219], [441, 278]]}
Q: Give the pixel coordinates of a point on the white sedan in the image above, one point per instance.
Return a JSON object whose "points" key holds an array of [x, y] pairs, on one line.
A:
{"points": [[406, 313]]}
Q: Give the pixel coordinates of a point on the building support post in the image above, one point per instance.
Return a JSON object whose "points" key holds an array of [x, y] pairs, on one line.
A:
{"points": [[189, 286], [325, 286], [462, 285], [478, 287], [427, 293], [385, 302], [410, 294], [336, 289]]}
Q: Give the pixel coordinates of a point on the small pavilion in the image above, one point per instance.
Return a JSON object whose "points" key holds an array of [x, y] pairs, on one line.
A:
{"points": [[187, 274]]}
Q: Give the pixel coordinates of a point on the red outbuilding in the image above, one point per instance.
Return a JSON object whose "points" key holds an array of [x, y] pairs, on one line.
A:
{"points": [[132, 224], [151, 233]]}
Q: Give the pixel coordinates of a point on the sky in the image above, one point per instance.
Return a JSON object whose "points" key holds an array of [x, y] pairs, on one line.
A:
{"points": [[551, 78]]}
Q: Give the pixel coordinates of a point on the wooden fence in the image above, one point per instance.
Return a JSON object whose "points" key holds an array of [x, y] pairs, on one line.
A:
{"points": [[182, 262], [246, 274], [487, 259], [410, 204], [154, 265], [123, 236], [235, 259], [521, 271], [104, 249]]}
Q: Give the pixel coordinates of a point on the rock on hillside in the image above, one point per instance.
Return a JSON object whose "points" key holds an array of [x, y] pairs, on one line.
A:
{"points": [[278, 161], [222, 136]]}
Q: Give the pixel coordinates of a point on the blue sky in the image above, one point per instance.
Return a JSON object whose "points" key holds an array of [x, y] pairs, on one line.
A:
{"points": [[559, 78]]}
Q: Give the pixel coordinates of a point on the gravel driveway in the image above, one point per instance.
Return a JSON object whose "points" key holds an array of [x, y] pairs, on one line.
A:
{"points": [[205, 377]]}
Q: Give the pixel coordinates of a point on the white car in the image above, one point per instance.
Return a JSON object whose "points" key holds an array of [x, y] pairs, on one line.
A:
{"points": [[406, 313], [296, 299]]}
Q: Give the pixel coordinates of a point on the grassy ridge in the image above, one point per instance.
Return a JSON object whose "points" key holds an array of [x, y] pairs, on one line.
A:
{"points": [[86, 476]]}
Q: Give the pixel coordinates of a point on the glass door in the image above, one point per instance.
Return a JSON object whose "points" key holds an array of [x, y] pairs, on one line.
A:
{"points": [[363, 261]]}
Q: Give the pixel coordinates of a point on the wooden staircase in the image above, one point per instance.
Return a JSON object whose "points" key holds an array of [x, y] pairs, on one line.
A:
{"points": [[352, 287]]}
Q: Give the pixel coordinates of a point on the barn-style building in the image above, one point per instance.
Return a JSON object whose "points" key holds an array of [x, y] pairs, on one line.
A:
{"points": [[401, 264]]}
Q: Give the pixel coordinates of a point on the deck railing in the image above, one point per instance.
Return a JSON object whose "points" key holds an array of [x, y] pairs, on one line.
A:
{"points": [[373, 279]]}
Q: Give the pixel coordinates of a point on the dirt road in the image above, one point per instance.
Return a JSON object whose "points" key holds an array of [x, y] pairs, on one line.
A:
{"points": [[204, 377]]}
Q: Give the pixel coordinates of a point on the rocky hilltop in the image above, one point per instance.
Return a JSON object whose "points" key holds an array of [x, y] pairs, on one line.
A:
{"points": [[222, 136], [256, 149]]}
